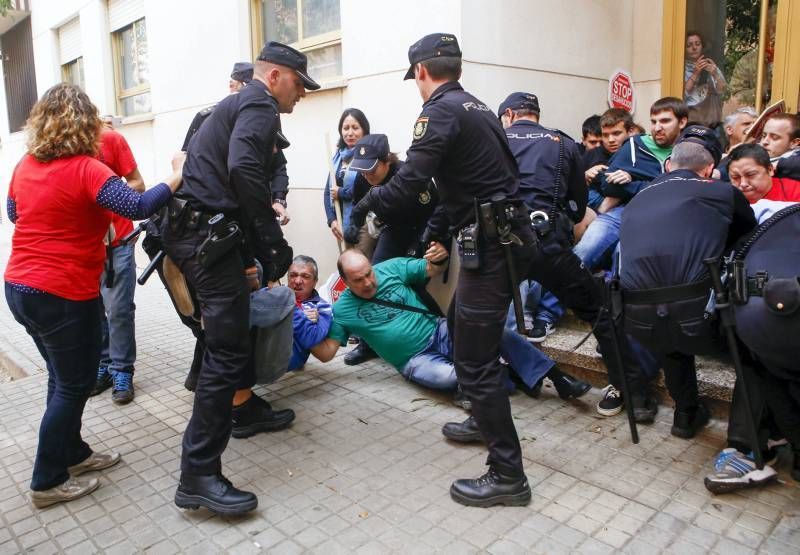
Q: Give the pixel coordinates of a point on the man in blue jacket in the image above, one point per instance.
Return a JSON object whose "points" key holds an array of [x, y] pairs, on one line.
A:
{"points": [[312, 315]]}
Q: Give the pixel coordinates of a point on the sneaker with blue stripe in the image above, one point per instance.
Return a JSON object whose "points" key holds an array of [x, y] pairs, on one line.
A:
{"points": [[734, 470]]}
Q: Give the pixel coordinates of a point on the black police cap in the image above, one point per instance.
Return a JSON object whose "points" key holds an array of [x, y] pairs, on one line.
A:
{"points": [[704, 137], [242, 71], [283, 55], [519, 101], [368, 151], [431, 46]]}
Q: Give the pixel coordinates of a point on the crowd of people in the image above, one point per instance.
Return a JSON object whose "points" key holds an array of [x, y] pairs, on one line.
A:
{"points": [[531, 215]]}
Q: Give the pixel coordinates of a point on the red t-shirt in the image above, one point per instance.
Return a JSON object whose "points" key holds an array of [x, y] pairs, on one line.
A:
{"points": [[784, 189], [58, 236], [116, 154]]}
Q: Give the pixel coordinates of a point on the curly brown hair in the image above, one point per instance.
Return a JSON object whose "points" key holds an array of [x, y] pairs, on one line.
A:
{"points": [[64, 122]]}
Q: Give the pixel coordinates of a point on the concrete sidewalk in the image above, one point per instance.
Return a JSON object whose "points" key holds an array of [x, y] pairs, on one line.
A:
{"points": [[365, 469]]}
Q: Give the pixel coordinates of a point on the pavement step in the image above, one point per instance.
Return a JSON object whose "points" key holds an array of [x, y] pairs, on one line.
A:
{"points": [[715, 376]]}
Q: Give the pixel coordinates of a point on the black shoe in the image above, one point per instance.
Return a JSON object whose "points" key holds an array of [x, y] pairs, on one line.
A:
{"points": [[645, 409], [215, 493], [523, 387], [686, 423], [362, 353], [462, 432], [460, 400], [191, 380], [490, 489], [256, 415], [103, 381], [567, 386], [540, 330]]}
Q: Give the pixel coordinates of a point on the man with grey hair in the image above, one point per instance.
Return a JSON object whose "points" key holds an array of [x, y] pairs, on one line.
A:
{"points": [[665, 282], [736, 125]]}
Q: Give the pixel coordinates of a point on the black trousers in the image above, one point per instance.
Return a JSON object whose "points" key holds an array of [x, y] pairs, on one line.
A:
{"points": [[476, 319], [224, 298], [563, 273], [675, 332]]}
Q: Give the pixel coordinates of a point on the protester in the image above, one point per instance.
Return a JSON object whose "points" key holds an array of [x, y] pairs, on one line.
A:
{"points": [[752, 173], [704, 83], [60, 200], [591, 136], [350, 186], [781, 136], [312, 316], [118, 282], [736, 125]]}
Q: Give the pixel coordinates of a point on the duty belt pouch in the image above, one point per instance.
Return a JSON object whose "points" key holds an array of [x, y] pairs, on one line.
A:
{"points": [[222, 238], [176, 212]]}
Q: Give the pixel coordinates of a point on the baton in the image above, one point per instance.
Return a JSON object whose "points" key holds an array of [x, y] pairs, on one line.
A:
{"points": [[134, 233], [728, 323], [148, 270], [614, 289], [517, 298], [332, 182]]}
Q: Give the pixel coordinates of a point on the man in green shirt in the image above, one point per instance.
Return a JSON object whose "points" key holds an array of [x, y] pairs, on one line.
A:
{"points": [[381, 306]]}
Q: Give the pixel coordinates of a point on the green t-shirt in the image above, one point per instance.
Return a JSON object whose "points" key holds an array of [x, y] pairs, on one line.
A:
{"points": [[660, 152], [395, 334]]}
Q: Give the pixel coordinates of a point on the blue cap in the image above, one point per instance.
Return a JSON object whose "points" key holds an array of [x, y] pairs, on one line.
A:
{"points": [[368, 151], [705, 137], [519, 101], [431, 46], [242, 71], [283, 55]]}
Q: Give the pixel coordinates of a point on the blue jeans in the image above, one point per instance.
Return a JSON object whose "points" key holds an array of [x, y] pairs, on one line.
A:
{"points": [[67, 334], [118, 351], [433, 366]]}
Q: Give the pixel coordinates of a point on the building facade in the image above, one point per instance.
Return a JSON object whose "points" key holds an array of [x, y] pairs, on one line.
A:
{"points": [[156, 63]]}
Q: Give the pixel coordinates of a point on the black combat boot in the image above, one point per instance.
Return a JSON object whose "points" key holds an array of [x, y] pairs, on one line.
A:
{"points": [[214, 492], [462, 432], [493, 488], [256, 415]]}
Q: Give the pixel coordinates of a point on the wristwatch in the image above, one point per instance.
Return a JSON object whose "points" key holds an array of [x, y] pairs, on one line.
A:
{"points": [[281, 201]]}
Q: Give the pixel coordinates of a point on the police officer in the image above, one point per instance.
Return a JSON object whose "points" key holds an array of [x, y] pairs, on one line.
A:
{"points": [[223, 205], [681, 219], [553, 186], [458, 141]]}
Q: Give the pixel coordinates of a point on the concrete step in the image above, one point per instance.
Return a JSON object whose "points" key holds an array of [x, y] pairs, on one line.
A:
{"points": [[715, 376]]}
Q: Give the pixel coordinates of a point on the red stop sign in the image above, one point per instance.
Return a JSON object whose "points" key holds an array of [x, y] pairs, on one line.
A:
{"points": [[620, 91]]}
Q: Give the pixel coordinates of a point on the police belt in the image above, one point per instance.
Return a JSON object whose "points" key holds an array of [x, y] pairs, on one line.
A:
{"points": [[183, 216], [671, 294], [755, 285]]}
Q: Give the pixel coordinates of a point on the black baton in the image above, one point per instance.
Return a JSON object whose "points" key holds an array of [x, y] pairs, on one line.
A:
{"points": [[148, 270], [614, 311]]}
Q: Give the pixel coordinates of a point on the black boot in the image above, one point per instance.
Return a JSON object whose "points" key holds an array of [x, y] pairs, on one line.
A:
{"points": [[567, 386], [214, 492], [461, 401], [645, 408], [462, 432], [523, 387], [686, 423], [256, 415], [362, 353], [490, 489]]}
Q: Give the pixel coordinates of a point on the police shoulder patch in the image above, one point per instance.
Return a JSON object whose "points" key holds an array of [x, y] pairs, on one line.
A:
{"points": [[424, 197], [420, 127]]}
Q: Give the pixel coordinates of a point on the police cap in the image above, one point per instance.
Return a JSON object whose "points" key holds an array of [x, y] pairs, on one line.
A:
{"points": [[705, 137], [368, 151], [519, 101], [242, 71], [283, 55], [431, 46]]}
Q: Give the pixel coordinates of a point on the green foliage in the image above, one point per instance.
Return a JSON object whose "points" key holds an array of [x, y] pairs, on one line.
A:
{"points": [[5, 5], [741, 29]]}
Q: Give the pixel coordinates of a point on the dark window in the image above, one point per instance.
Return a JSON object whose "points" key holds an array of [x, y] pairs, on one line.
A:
{"points": [[18, 73]]}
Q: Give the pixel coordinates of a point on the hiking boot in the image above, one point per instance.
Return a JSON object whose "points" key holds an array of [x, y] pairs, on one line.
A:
{"points": [[122, 393], [540, 330], [611, 403], [69, 490], [490, 489], [102, 382], [733, 471]]}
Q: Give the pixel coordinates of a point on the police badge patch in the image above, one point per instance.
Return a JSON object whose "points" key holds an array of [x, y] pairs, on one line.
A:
{"points": [[420, 128], [424, 197]]}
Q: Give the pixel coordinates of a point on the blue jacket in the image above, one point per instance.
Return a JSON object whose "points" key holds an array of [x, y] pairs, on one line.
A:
{"points": [[636, 159], [307, 333]]}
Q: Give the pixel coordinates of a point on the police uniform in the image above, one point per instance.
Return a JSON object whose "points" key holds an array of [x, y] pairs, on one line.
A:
{"points": [[553, 186], [224, 174], [667, 232], [459, 142]]}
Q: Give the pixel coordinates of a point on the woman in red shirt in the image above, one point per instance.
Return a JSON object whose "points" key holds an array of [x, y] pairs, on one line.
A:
{"points": [[751, 172], [59, 199]]}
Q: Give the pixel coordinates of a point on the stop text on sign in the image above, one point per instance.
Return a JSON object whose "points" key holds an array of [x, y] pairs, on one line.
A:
{"points": [[620, 91]]}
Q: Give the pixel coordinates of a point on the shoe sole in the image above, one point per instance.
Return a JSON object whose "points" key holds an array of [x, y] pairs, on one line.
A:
{"points": [[78, 471], [42, 503], [514, 500], [123, 400], [757, 478], [586, 388], [194, 502], [609, 412], [472, 438], [258, 427]]}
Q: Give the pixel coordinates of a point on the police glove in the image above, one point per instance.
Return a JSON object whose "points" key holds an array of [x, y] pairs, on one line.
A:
{"points": [[280, 258], [351, 234]]}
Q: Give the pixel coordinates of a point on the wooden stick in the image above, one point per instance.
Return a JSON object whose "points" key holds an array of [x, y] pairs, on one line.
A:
{"points": [[332, 182]]}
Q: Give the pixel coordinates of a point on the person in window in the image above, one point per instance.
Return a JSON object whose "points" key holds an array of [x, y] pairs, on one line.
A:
{"points": [[350, 185], [60, 200], [704, 83]]}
